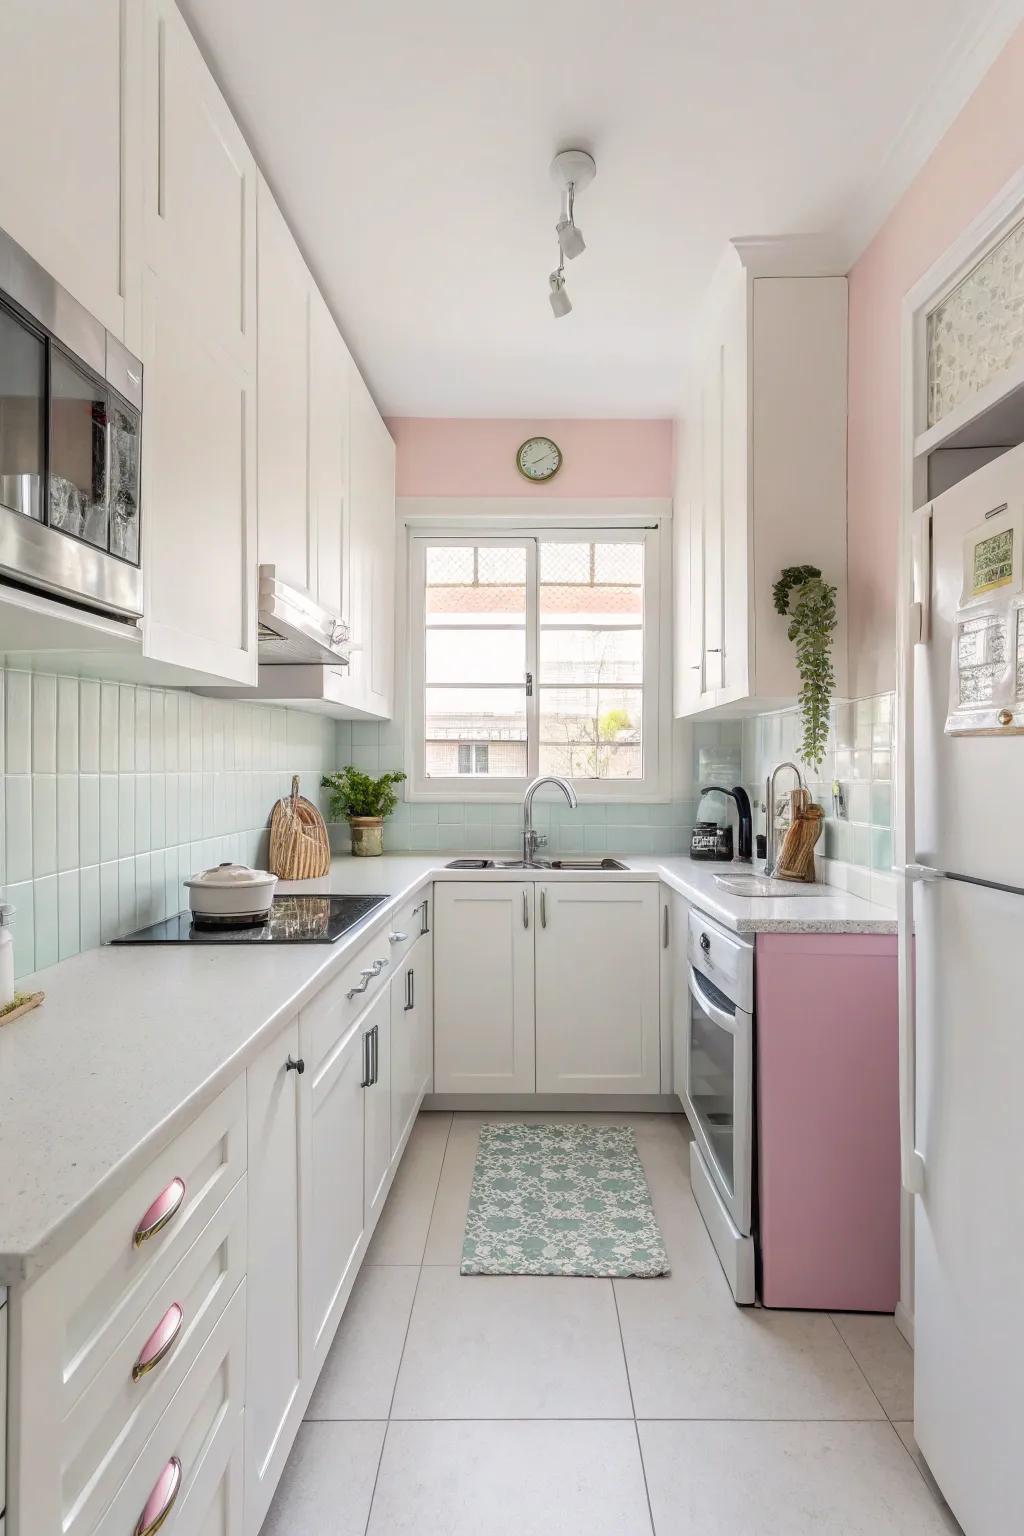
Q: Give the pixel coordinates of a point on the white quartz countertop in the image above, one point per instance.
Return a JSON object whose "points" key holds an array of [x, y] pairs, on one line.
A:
{"points": [[131, 1043]]}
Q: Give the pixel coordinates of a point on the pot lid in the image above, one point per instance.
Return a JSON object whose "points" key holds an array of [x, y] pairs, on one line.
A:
{"points": [[229, 875]]}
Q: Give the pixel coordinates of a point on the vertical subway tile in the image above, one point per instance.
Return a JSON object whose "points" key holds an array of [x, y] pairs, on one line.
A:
{"points": [[158, 905], [68, 914], [195, 733], [126, 895], [22, 899], [108, 817], [144, 911], [46, 922], [18, 719], [184, 732], [68, 856], [67, 725], [142, 730], [157, 810], [88, 726], [142, 813], [171, 732], [157, 741], [109, 709], [44, 824], [125, 815], [110, 917], [44, 723], [126, 729], [88, 818], [89, 906], [18, 825]]}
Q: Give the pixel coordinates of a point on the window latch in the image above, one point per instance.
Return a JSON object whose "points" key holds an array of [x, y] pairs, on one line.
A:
{"points": [[529, 685]]}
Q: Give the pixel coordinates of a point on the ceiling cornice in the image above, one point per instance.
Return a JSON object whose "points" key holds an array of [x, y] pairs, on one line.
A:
{"points": [[966, 64]]}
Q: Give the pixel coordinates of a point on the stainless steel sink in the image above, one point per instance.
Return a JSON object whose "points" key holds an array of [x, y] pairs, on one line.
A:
{"points": [[587, 864], [582, 866]]}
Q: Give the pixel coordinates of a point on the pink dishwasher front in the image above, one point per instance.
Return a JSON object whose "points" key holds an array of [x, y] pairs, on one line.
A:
{"points": [[826, 1027]]}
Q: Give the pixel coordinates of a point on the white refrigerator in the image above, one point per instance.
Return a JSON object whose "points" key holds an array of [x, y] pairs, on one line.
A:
{"points": [[962, 1004]]}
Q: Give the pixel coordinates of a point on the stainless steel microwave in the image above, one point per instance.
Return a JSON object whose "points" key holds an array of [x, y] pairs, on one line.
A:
{"points": [[70, 446]]}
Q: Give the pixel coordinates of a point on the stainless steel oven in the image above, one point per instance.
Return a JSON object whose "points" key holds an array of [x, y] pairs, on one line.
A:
{"points": [[719, 1091], [70, 446]]}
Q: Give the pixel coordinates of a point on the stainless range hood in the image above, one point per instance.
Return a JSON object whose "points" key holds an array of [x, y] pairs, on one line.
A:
{"points": [[296, 630]]}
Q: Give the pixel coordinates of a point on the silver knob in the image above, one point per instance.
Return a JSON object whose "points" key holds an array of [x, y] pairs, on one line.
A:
{"points": [[397, 938]]}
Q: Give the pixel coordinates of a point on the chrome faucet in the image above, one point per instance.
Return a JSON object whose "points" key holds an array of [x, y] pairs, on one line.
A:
{"points": [[533, 840], [771, 852]]}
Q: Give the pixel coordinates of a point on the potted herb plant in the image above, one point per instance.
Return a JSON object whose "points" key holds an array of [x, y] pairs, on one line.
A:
{"points": [[363, 802]]}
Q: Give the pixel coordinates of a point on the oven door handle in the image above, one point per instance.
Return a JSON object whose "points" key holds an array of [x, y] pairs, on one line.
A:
{"points": [[719, 1016]]}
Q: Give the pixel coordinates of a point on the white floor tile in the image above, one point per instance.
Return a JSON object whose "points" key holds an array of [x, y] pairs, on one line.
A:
{"points": [[717, 1479], [448, 1221], [327, 1485], [884, 1356], [693, 1354], [905, 1430], [402, 1230], [466, 1479], [358, 1376], [512, 1347]]}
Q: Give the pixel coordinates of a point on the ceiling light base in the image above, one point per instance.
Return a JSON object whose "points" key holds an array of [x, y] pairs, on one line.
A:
{"points": [[573, 165]]}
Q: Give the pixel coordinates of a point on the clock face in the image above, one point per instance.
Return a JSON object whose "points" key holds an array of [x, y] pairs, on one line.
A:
{"points": [[539, 458]]}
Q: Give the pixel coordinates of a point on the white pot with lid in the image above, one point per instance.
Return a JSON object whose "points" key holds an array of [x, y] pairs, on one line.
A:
{"points": [[231, 890]]}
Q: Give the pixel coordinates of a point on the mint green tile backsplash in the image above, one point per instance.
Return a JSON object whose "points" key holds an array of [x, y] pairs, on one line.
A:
{"points": [[112, 795]]}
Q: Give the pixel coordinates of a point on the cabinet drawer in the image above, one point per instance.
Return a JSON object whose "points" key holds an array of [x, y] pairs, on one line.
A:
{"points": [[201, 1430], [113, 1418], [409, 924], [724, 957], [333, 1011]]}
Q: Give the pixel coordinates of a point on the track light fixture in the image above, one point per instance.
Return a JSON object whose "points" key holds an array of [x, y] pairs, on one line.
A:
{"points": [[572, 170]]}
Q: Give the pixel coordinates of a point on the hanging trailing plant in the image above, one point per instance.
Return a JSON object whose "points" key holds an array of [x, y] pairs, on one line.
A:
{"points": [[810, 604]]}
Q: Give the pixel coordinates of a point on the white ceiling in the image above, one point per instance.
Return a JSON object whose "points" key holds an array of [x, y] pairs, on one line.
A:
{"points": [[409, 145]]}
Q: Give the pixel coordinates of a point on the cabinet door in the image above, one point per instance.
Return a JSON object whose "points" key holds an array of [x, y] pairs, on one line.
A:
{"points": [[483, 991], [284, 537], [598, 1025], [679, 991], [712, 517], [372, 554], [60, 120], [329, 366], [199, 189], [332, 1185], [411, 1040], [375, 1055], [273, 1332], [198, 517]]}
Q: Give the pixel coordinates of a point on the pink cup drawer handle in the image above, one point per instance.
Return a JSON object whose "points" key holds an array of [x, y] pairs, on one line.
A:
{"points": [[161, 1501], [159, 1341], [164, 1208]]}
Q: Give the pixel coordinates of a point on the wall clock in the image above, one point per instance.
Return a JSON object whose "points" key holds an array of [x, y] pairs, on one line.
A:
{"points": [[539, 458]]}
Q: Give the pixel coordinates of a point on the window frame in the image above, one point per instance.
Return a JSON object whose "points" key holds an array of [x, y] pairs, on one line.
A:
{"points": [[655, 783]]}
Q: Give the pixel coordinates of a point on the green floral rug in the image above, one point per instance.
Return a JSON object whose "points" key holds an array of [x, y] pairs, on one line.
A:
{"points": [[561, 1200]]}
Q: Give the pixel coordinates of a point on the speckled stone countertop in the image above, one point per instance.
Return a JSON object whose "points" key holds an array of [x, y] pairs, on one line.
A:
{"points": [[131, 1044]]}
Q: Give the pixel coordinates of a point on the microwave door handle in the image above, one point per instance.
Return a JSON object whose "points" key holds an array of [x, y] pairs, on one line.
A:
{"points": [[719, 1016]]}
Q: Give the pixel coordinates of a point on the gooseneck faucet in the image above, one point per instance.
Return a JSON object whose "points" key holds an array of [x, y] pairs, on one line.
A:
{"points": [[533, 840], [771, 852]]}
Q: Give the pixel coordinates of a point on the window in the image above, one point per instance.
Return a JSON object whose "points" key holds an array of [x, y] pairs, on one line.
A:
{"points": [[535, 654]]}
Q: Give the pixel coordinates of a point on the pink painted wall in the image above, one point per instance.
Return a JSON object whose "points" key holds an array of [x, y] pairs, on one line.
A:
{"points": [[981, 151], [466, 457]]}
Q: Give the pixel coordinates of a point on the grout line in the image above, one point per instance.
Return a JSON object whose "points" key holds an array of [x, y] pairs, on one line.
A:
{"points": [[625, 1362], [408, 1325], [853, 1357]]}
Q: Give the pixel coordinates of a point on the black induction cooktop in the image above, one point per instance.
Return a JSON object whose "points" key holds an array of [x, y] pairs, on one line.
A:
{"points": [[299, 919]]}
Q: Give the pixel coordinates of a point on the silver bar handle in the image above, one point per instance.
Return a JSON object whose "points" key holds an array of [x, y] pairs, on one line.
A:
{"points": [[543, 908], [367, 1075], [526, 910], [664, 926], [424, 908], [410, 992], [375, 1037]]}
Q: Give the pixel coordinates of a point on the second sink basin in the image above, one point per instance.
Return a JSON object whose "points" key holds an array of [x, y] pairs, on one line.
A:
{"points": [[586, 864]]}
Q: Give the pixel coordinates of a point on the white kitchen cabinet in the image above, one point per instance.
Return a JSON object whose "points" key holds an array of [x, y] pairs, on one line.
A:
{"points": [[597, 987], [412, 1039], [761, 482], [376, 1081], [198, 188], [330, 369], [371, 555], [679, 990], [285, 536], [275, 1356], [483, 987], [332, 1140], [66, 75]]}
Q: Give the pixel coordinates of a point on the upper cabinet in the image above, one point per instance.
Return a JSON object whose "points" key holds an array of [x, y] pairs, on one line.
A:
{"points": [[371, 555], [760, 482], [60, 118]]}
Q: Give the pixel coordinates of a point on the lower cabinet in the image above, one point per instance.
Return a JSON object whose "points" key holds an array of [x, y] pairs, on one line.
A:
{"points": [[376, 1079], [275, 1354], [597, 987], [412, 1037], [679, 990], [483, 987]]}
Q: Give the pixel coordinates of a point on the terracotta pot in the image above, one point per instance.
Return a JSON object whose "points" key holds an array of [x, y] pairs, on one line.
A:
{"points": [[367, 835]]}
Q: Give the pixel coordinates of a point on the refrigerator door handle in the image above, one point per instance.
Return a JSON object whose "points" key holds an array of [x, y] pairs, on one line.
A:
{"points": [[911, 1162]]}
